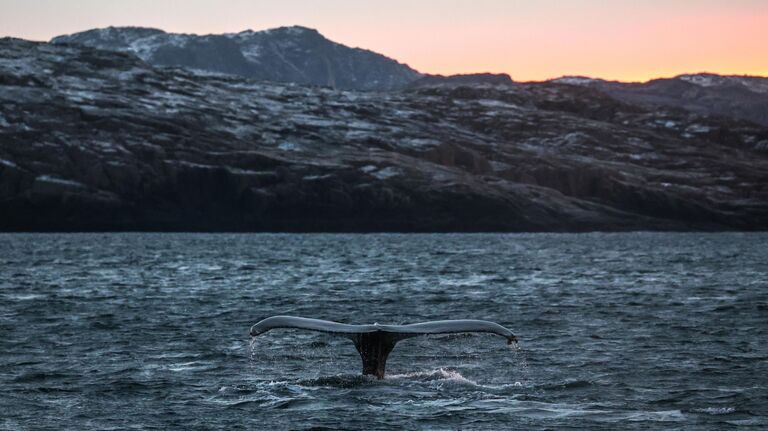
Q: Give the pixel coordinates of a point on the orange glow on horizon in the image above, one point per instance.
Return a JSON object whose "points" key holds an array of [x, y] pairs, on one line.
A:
{"points": [[530, 40], [722, 42]]}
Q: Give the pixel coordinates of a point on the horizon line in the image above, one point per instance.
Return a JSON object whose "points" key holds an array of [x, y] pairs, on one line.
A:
{"points": [[645, 80]]}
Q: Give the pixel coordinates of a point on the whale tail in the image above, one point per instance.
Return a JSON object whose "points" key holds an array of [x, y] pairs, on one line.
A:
{"points": [[375, 342], [374, 349]]}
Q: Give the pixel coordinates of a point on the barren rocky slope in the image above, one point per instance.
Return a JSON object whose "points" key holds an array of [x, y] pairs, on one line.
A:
{"points": [[94, 140]]}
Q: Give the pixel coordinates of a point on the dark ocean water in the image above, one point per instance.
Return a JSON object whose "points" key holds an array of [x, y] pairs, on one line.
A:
{"points": [[150, 331]]}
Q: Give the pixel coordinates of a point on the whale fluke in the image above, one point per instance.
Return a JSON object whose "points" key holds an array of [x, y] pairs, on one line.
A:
{"points": [[375, 342]]}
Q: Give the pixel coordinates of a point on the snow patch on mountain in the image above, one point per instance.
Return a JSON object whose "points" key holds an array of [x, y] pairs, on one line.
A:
{"points": [[575, 80], [751, 83], [8, 163], [59, 181]]}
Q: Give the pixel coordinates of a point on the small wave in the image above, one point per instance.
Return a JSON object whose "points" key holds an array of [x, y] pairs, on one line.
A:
{"points": [[715, 410], [317, 344], [568, 384], [441, 377], [23, 297], [657, 416], [191, 366], [558, 411], [344, 381], [438, 374], [279, 403], [39, 377]]}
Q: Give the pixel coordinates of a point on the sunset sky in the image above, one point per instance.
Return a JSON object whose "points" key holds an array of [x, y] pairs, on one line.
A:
{"points": [[530, 40]]}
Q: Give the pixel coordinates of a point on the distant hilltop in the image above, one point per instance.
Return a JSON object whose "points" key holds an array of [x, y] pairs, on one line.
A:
{"points": [[288, 54], [743, 97], [303, 56]]}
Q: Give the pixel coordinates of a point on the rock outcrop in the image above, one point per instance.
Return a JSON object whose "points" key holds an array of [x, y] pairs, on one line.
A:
{"points": [[467, 79]]}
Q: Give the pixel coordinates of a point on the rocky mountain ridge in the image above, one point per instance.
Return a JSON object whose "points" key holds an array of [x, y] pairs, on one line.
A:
{"points": [[302, 55], [99, 140], [288, 54], [743, 97]]}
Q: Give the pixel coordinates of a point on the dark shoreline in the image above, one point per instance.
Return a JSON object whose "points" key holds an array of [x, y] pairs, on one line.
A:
{"points": [[379, 232]]}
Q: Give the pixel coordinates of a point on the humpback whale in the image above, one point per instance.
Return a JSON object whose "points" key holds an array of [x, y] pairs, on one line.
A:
{"points": [[375, 342]]}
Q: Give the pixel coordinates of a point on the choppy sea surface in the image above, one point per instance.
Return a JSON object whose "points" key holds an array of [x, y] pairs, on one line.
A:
{"points": [[150, 331]]}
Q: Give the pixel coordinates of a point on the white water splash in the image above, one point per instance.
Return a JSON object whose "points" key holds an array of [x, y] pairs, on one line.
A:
{"points": [[440, 374]]}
